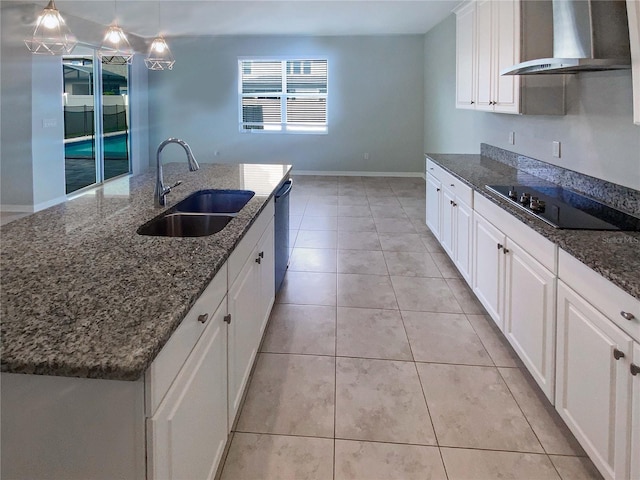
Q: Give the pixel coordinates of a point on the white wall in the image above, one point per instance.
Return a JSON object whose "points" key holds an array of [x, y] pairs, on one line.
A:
{"points": [[31, 155], [597, 134], [375, 103]]}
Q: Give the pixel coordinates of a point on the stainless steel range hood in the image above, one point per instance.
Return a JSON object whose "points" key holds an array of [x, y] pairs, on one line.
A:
{"points": [[588, 35]]}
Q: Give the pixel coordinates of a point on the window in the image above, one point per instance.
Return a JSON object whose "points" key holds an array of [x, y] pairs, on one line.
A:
{"points": [[283, 95]]}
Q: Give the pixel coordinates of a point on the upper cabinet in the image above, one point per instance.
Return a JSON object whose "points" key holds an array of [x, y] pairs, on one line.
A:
{"points": [[489, 38]]}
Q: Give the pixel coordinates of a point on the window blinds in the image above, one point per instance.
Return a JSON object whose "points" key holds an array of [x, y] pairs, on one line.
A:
{"points": [[283, 95]]}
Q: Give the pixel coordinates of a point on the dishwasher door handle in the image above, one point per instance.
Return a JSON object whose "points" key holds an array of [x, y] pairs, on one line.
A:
{"points": [[286, 188]]}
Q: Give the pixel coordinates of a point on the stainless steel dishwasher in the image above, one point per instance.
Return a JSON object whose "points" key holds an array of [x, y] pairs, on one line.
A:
{"points": [[281, 226]]}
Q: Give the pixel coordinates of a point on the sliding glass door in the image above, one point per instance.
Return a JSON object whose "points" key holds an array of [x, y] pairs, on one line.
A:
{"points": [[96, 121]]}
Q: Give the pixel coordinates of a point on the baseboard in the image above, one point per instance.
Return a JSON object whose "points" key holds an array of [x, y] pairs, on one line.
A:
{"points": [[32, 208], [334, 173], [17, 208]]}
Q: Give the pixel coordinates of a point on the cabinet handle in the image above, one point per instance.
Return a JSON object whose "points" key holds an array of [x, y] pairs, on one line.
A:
{"points": [[627, 315], [258, 261], [227, 319], [203, 318], [437, 189], [452, 185], [617, 354], [261, 254], [500, 246], [472, 102], [634, 369], [430, 168], [454, 204], [450, 202], [505, 251]]}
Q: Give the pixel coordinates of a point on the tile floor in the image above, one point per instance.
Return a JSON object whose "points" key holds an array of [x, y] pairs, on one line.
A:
{"points": [[379, 363]]}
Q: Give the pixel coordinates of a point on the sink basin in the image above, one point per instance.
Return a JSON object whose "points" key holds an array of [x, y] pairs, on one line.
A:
{"points": [[215, 201], [185, 225]]}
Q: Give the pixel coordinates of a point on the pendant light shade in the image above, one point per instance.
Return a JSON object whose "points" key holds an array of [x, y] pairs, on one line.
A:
{"points": [[115, 48], [159, 56], [51, 35]]}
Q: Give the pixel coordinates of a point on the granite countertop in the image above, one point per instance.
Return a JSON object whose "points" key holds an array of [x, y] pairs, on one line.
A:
{"points": [[614, 255], [83, 295]]}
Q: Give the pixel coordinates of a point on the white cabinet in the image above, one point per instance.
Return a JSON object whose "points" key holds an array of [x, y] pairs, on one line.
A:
{"points": [[529, 314], [488, 267], [188, 433], [465, 58], [251, 297], [593, 382], [516, 288], [597, 394], [434, 201], [490, 36], [633, 12], [449, 215], [634, 371]]}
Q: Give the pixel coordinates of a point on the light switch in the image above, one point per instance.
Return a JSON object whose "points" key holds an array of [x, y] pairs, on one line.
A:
{"points": [[512, 138], [556, 149]]}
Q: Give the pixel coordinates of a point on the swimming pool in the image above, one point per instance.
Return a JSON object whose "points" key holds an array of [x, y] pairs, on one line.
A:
{"points": [[115, 147]]}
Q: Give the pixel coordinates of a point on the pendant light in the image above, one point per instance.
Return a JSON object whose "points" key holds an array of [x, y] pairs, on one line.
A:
{"points": [[159, 56], [115, 48], [51, 35]]}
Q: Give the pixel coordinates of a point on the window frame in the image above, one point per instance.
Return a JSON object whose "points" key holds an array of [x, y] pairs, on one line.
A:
{"points": [[283, 95]]}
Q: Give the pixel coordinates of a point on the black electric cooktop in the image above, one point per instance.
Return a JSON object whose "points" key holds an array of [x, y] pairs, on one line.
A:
{"points": [[565, 209]]}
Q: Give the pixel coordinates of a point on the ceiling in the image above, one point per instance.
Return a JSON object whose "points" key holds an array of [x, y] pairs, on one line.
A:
{"points": [[264, 17]]}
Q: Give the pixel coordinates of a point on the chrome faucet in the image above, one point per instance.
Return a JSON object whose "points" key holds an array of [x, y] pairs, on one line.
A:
{"points": [[161, 191]]}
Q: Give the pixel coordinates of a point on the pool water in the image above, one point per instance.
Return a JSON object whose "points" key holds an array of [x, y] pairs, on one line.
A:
{"points": [[80, 165]]}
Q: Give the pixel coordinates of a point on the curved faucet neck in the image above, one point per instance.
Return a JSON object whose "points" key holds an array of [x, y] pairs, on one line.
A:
{"points": [[161, 191]]}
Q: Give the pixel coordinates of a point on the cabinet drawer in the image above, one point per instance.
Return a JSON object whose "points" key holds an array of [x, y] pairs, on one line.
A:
{"points": [[161, 373], [242, 251], [543, 250], [609, 299], [449, 182]]}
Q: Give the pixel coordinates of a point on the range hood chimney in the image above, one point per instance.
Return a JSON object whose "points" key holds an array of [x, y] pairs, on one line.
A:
{"points": [[588, 36]]}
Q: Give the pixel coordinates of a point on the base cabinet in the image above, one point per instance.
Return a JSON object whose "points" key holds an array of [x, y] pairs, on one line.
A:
{"points": [[434, 201], [594, 382], [250, 300], [518, 293], [634, 371], [188, 433]]}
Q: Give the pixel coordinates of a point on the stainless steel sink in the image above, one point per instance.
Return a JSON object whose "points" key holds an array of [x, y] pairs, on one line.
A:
{"points": [[185, 225], [215, 201]]}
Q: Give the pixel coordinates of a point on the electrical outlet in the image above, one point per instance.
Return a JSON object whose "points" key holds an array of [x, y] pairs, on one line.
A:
{"points": [[512, 138], [49, 122], [556, 149], [366, 156]]}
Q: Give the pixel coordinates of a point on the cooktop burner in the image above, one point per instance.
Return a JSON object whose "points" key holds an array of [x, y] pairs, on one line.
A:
{"points": [[566, 209]]}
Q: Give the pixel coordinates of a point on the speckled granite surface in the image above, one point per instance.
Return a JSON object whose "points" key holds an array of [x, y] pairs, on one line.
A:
{"points": [[83, 295], [615, 255]]}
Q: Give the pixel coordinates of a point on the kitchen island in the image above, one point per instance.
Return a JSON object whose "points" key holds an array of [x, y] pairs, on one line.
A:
{"points": [[120, 335]]}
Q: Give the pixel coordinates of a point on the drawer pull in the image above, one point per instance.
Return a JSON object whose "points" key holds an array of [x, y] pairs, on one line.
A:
{"points": [[452, 184], [627, 315], [454, 204], [261, 254], [227, 319], [450, 202], [500, 246], [258, 261], [617, 354], [505, 251], [437, 189], [635, 369], [203, 318]]}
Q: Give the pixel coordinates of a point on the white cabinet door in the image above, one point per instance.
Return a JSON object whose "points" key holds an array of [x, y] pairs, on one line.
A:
{"points": [[593, 385], [529, 314], [506, 52], [463, 237], [465, 56], [434, 201], [188, 432], [634, 371], [266, 270], [243, 331], [447, 224], [484, 84], [488, 261]]}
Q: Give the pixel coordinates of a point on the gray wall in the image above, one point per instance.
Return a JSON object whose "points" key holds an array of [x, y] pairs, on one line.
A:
{"points": [[31, 155], [597, 134], [375, 103]]}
